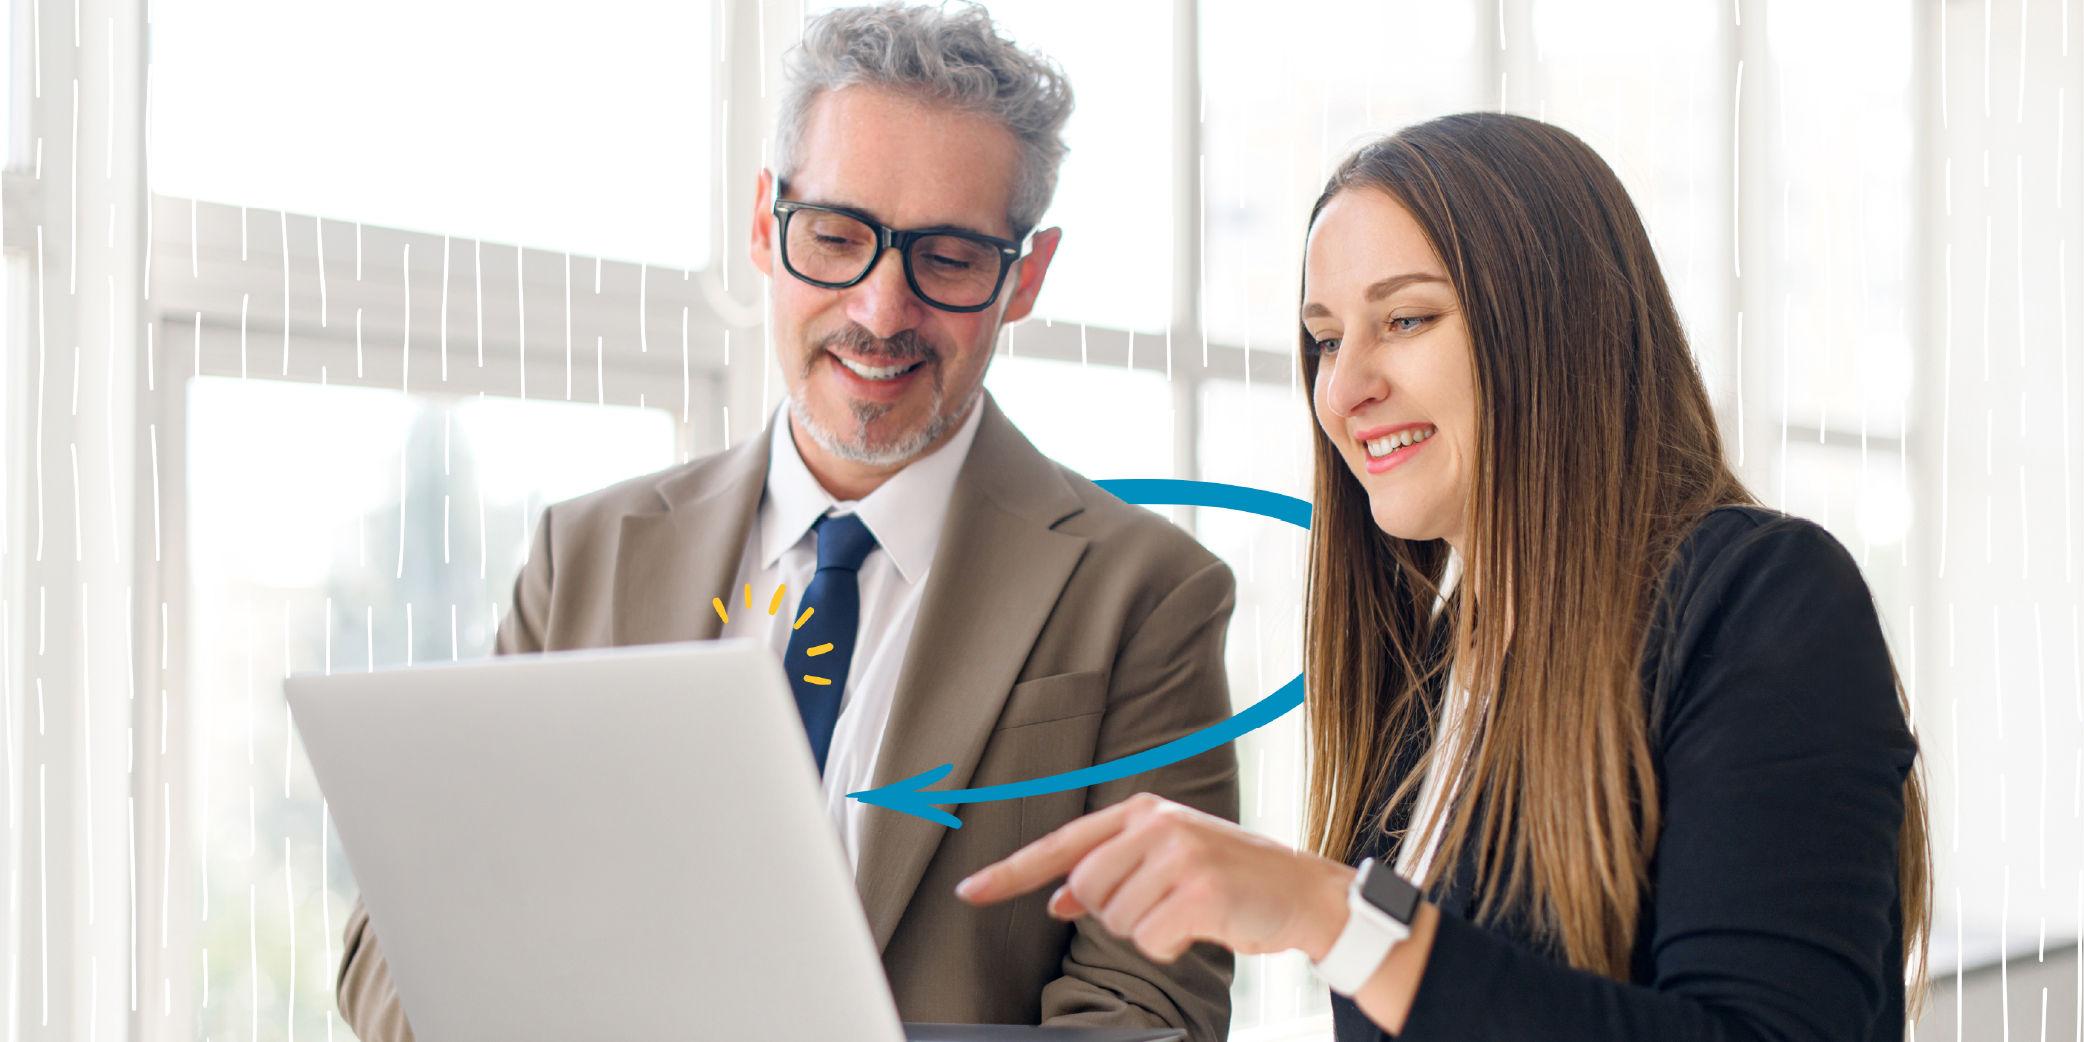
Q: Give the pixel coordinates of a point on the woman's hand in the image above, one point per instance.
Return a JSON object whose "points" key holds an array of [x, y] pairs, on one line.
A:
{"points": [[1165, 876]]}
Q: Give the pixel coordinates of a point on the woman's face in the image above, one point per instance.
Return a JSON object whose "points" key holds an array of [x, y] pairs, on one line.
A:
{"points": [[1395, 390]]}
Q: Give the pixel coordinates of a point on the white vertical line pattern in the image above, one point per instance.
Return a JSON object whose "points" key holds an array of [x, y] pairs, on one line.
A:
{"points": [[72, 284], [1736, 176], [43, 878], [289, 893], [87, 750], [131, 803], [403, 450], [325, 887], [444, 309], [253, 953], [568, 326], [1946, 409], [318, 225], [521, 311], [153, 434], [285, 292], [405, 349], [166, 856]]}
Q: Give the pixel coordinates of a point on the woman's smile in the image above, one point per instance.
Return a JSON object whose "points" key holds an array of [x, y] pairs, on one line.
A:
{"points": [[1393, 446]]}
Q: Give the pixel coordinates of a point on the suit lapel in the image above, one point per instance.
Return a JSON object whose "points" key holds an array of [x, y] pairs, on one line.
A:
{"points": [[995, 580], [671, 562]]}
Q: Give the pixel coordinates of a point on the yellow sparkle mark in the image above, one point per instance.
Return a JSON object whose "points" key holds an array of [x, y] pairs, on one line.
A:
{"points": [[803, 618], [819, 650], [775, 604], [820, 681], [721, 613], [748, 596]]}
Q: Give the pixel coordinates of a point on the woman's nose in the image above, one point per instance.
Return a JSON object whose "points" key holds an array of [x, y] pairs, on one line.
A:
{"points": [[1353, 382]]}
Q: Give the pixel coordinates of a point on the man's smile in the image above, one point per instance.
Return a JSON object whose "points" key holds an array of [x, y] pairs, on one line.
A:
{"points": [[876, 372]]}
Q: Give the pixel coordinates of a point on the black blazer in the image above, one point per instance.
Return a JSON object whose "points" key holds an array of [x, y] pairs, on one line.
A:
{"points": [[1781, 751]]}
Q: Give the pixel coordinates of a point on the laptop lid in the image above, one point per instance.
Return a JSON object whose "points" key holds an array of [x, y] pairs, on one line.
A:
{"points": [[626, 842]]}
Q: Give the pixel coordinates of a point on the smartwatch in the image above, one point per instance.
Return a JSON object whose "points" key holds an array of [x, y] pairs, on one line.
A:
{"points": [[1380, 906]]}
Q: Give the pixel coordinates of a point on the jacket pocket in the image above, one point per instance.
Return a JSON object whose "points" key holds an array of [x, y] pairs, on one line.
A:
{"points": [[1060, 697]]}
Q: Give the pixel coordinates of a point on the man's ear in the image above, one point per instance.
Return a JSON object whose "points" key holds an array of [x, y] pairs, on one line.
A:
{"points": [[763, 225], [1028, 273]]}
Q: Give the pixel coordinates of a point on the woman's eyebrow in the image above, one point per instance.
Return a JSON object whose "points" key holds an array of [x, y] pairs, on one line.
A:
{"points": [[1377, 291], [1396, 282]]}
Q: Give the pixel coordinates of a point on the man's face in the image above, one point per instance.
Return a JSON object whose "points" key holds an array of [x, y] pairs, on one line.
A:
{"points": [[878, 376]]}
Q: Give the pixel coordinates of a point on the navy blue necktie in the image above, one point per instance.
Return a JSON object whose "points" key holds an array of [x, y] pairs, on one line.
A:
{"points": [[822, 647]]}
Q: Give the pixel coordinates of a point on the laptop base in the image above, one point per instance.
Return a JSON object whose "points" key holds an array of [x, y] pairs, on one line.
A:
{"points": [[1023, 1033]]}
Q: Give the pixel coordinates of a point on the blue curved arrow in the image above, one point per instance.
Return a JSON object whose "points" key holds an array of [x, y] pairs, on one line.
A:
{"points": [[906, 796]]}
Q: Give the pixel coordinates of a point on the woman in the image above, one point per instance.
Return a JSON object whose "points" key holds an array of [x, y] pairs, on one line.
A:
{"points": [[1637, 741]]}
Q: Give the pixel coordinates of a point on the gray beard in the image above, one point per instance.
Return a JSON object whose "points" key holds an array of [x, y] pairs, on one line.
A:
{"points": [[855, 446]]}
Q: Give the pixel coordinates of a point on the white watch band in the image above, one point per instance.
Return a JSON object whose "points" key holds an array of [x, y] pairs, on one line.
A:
{"points": [[1367, 939]]}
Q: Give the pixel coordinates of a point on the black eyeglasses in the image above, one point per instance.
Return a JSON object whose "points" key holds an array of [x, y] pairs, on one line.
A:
{"points": [[949, 269]]}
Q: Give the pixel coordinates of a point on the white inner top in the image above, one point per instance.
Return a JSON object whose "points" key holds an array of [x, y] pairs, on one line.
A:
{"points": [[1415, 857]]}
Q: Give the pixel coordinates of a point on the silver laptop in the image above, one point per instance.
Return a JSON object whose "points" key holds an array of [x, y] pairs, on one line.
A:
{"points": [[628, 843]]}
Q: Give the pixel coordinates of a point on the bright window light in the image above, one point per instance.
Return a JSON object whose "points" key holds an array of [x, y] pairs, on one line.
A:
{"points": [[1101, 421], [565, 128]]}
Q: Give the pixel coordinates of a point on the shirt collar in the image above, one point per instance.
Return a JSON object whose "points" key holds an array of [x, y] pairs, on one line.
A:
{"points": [[905, 513]]}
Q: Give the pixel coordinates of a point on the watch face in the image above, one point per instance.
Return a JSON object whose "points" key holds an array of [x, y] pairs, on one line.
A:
{"points": [[1386, 890]]}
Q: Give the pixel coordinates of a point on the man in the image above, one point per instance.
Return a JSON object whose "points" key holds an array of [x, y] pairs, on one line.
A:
{"points": [[970, 601]]}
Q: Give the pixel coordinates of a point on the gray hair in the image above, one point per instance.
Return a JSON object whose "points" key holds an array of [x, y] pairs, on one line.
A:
{"points": [[955, 58]]}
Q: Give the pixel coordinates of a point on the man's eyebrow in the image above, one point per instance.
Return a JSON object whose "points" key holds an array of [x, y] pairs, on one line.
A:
{"points": [[1377, 291], [868, 214]]}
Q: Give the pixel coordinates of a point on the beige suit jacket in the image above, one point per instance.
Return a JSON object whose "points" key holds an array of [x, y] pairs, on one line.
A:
{"points": [[1060, 628]]}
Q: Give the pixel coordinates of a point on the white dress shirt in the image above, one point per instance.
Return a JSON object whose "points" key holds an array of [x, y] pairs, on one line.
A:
{"points": [[905, 515]]}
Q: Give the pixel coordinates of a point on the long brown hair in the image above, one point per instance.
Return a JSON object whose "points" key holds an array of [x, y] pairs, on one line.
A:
{"points": [[1597, 453]]}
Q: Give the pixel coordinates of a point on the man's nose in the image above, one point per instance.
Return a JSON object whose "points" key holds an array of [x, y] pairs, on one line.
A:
{"points": [[883, 303]]}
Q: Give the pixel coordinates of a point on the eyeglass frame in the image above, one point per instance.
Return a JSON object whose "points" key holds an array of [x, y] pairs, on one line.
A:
{"points": [[888, 238]]}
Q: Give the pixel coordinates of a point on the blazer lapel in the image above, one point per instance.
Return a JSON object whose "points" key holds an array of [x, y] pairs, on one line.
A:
{"points": [[671, 562], [995, 580]]}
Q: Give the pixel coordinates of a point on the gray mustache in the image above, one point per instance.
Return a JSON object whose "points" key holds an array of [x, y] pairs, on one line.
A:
{"points": [[905, 347]]}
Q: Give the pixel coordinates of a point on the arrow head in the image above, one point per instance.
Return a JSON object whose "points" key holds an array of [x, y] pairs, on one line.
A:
{"points": [[905, 797]]}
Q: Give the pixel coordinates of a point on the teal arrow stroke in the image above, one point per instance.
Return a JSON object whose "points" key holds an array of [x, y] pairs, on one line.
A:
{"points": [[908, 797]]}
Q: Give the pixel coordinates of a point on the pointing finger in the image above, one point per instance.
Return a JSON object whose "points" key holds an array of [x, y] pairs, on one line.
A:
{"points": [[1048, 858]]}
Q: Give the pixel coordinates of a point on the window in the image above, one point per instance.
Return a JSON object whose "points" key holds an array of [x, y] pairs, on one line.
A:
{"points": [[531, 122], [1101, 421], [1285, 98], [1114, 198], [1645, 84], [1259, 436], [342, 528]]}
